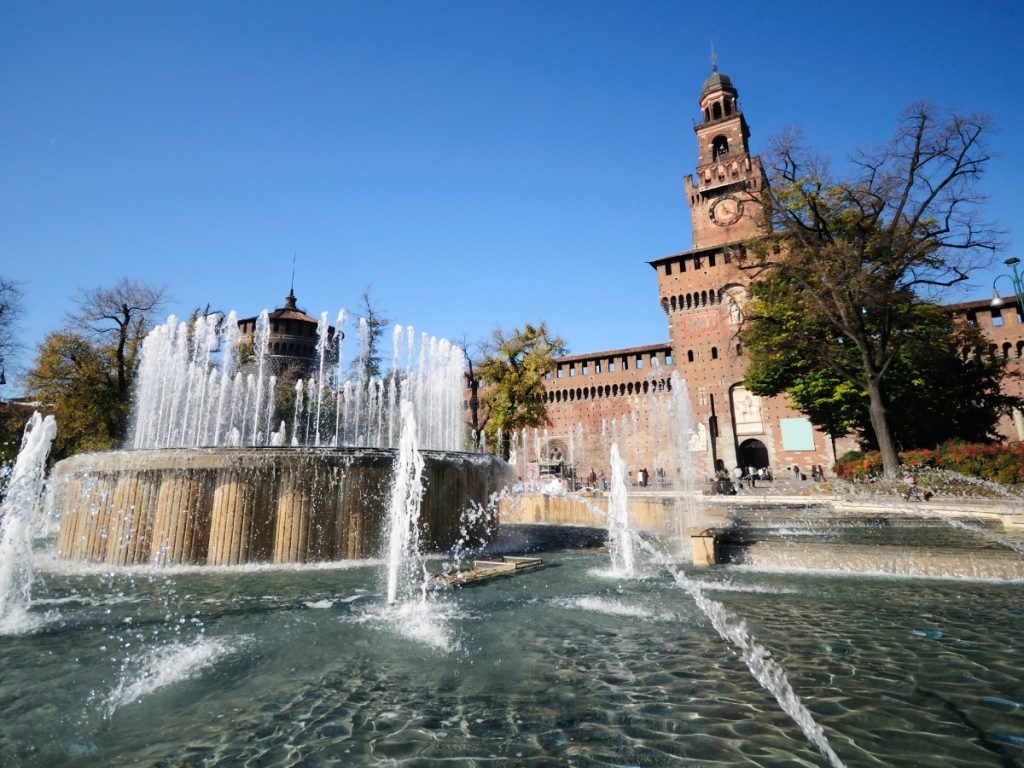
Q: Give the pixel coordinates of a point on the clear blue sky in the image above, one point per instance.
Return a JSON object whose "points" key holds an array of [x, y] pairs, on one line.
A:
{"points": [[479, 163]]}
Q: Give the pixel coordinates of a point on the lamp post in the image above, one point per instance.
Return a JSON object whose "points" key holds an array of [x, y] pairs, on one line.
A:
{"points": [[1018, 286]]}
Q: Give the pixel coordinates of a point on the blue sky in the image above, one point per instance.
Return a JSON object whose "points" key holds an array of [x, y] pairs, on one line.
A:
{"points": [[480, 164]]}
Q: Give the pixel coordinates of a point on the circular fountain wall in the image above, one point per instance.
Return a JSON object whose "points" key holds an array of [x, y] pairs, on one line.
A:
{"points": [[229, 506]]}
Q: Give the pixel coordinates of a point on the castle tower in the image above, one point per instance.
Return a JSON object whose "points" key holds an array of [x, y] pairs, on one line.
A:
{"points": [[723, 196], [292, 341], [703, 290]]}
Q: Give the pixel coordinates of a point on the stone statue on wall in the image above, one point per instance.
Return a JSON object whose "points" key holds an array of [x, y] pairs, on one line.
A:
{"points": [[699, 438], [747, 412], [734, 311]]}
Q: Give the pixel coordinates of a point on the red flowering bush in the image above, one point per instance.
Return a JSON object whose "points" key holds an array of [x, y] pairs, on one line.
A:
{"points": [[1001, 463]]}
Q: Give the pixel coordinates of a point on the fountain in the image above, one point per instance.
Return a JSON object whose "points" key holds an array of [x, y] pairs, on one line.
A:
{"points": [[356, 661], [208, 479]]}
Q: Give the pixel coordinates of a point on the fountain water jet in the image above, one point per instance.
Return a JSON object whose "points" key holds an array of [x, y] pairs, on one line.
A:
{"points": [[404, 517], [19, 515], [622, 535]]}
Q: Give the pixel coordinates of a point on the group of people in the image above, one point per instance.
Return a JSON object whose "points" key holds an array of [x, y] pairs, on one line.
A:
{"points": [[750, 475], [643, 478], [742, 477]]}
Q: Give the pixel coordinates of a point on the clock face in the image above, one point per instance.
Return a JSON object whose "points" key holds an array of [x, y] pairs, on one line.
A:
{"points": [[726, 211]]}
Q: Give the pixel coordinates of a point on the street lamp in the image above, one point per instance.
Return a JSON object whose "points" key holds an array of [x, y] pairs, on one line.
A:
{"points": [[1018, 286]]}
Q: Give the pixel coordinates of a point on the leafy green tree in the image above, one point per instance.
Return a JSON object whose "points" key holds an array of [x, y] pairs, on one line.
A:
{"points": [[860, 255], [943, 384], [513, 369], [74, 380]]}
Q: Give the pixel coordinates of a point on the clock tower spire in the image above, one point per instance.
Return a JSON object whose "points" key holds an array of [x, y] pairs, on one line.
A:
{"points": [[723, 193]]}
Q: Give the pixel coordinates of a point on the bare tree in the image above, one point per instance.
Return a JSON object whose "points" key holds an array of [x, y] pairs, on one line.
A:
{"points": [[473, 381], [11, 299], [856, 257], [119, 316]]}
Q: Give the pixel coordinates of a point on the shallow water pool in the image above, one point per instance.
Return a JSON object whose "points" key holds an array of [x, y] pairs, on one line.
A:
{"points": [[561, 666]]}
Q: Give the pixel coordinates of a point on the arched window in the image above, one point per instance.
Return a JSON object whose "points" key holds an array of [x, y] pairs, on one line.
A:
{"points": [[728, 107], [714, 353], [716, 110], [629, 388], [703, 298], [673, 303], [719, 147], [615, 390], [608, 391], [707, 114], [558, 397], [689, 355], [572, 394], [580, 394], [646, 387], [1020, 348], [1007, 346], [593, 393], [739, 350]]}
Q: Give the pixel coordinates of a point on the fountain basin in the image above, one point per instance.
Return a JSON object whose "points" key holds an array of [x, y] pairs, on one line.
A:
{"points": [[231, 506]]}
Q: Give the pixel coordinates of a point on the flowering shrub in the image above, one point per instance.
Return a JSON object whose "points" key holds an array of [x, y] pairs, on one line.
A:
{"points": [[1001, 463]]}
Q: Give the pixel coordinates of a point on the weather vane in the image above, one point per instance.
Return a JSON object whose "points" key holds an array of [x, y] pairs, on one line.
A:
{"points": [[714, 58]]}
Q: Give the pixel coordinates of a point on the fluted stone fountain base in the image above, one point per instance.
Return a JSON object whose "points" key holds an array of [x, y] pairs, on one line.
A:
{"points": [[229, 506]]}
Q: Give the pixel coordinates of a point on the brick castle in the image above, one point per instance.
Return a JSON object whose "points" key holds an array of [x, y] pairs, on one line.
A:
{"points": [[617, 394]]}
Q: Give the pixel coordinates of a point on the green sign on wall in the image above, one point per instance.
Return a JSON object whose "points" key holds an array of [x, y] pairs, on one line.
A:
{"points": [[797, 435]]}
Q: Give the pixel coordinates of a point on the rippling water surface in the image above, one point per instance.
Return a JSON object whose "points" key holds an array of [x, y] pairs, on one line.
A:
{"points": [[561, 666]]}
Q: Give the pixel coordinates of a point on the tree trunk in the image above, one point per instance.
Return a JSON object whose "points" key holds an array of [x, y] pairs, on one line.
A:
{"points": [[880, 423]]}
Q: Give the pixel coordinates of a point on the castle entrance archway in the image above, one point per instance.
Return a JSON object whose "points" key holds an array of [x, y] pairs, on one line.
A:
{"points": [[753, 453]]}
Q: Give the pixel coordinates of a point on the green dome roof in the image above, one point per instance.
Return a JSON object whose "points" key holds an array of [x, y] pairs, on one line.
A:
{"points": [[717, 81]]}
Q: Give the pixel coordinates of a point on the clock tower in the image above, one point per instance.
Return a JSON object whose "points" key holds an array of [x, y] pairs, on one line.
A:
{"points": [[723, 194]]}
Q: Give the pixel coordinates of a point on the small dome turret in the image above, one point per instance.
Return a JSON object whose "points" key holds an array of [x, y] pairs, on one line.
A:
{"points": [[717, 81]]}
